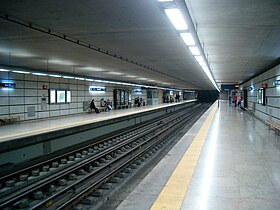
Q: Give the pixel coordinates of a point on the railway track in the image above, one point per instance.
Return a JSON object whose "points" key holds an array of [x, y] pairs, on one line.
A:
{"points": [[78, 177]]}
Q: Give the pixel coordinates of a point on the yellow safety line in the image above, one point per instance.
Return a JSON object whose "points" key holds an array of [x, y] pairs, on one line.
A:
{"points": [[174, 191]]}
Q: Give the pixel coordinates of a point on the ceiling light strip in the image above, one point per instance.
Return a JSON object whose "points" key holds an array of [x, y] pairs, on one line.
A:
{"points": [[91, 80], [178, 21], [21, 72]]}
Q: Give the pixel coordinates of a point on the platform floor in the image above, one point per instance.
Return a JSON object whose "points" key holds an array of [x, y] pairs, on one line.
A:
{"points": [[27, 128], [237, 167]]}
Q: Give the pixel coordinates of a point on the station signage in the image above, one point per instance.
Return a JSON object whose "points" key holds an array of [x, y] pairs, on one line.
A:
{"points": [[138, 91], [229, 87], [7, 85], [251, 88], [57, 96], [276, 83], [97, 89]]}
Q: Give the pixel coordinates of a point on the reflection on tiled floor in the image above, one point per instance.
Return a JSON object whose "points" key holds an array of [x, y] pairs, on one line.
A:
{"points": [[239, 166]]}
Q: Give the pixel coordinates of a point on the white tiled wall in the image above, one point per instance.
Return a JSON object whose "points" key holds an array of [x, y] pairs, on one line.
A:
{"points": [[272, 95], [29, 90]]}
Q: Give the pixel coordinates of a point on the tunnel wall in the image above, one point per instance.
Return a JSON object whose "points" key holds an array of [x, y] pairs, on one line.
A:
{"points": [[208, 96]]}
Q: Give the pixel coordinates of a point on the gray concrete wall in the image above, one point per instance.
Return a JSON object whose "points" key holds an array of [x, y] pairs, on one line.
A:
{"points": [[29, 90], [272, 107]]}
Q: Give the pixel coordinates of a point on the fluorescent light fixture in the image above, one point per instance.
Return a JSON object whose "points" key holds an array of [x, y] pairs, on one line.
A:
{"points": [[68, 77], [113, 73], [21, 72], [129, 84], [79, 78], [4, 70], [209, 75], [90, 80], [205, 69], [199, 58], [54, 75], [90, 68], [130, 76], [194, 50], [202, 63], [39, 74], [165, 0], [61, 62], [176, 19], [137, 85], [142, 78], [187, 38], [97, 80]]}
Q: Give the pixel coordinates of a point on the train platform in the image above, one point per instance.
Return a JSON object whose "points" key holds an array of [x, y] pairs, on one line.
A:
{"points": [[227, 160], [28, 140], [29, 128]]}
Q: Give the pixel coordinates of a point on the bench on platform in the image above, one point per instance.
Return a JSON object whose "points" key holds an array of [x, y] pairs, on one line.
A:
{"points": [[101, 108], [9, 119], [273, 125]]}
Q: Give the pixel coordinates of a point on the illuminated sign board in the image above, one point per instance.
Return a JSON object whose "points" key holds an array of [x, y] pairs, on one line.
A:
{"points": [[138, 91], [261, 96], [251, 88], [68, 96], [277, 82], [52, 96], [59, 96], [97, 89], [7, 85]]}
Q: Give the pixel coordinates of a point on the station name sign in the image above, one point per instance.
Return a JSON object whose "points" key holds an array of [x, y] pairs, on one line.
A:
{"points": [[7, 85], [97, 89], [276, 83], [138, 91]]}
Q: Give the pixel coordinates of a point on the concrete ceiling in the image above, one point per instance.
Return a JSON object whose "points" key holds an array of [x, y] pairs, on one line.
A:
{"points": [[241, 37], [132, 40]]}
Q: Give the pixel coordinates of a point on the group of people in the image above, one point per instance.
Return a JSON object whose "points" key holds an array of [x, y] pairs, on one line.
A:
{"points": [[106, 104], [235, 100], [170, 98], [139, 102]]}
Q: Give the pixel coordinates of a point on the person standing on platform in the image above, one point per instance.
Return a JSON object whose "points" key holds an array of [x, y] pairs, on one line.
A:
{"points": [[136, 101], [235, 99]]}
